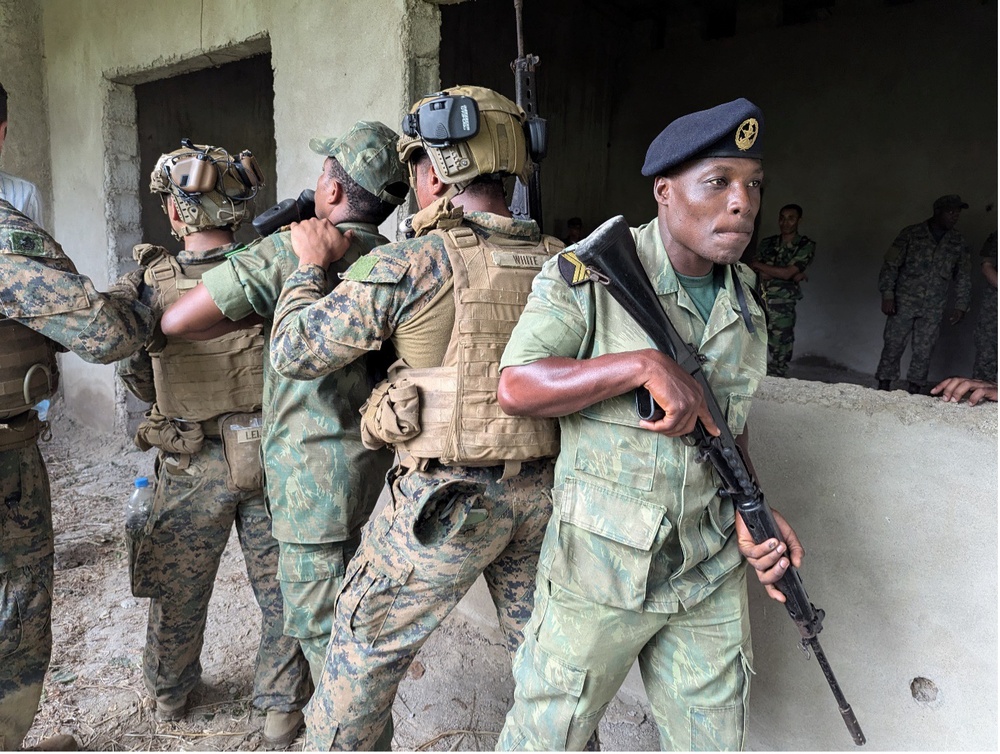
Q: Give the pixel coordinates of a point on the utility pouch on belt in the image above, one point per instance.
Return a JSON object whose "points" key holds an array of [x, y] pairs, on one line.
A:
{"points": [[241, 433], [169, 435], [391, 414], [20, 431]]}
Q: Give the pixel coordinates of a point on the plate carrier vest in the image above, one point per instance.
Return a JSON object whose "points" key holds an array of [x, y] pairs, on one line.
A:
{"points": [[450, 413]]}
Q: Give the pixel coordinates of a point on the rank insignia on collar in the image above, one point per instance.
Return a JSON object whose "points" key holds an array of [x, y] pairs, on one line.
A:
{"points": [[573, 271]]}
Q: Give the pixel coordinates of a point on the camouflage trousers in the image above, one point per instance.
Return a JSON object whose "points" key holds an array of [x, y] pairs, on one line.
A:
{"points": [[25, 647], [26, 563], [924, 325], [696, 666], [780, 336], [311, 576], [439, 530], [985, 366], [192, 515]]}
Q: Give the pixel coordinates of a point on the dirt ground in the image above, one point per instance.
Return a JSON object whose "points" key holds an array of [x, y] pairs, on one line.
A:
{"points": [[454, 698]]}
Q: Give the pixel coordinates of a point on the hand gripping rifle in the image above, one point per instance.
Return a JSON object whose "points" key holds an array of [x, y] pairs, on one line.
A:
{"points": [[609, 253], [527, 200]]}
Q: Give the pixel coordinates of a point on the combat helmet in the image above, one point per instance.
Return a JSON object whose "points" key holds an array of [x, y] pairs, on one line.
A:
{"points": [[467, 131], [210, 187]]}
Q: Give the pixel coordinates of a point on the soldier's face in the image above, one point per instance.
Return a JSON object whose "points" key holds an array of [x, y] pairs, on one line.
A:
{"points": [[788, 222], [707, 210], [947, 218]]}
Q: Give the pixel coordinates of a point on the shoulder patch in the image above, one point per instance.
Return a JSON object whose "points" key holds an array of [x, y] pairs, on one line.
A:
{"points": [[573, 271], [23, 242], [372, 268]]}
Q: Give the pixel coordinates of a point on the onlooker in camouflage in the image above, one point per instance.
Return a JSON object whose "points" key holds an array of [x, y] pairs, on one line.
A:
{"points": [[985, 366], [205, 422], [916, 274], [45, 306], [321, 482], [781, 263], [954, 389], [642, 556], [21, 194], [470, 492]]}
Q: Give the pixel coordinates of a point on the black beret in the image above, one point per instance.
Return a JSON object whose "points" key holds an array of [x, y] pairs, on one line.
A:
{"points": [[729, 130]]}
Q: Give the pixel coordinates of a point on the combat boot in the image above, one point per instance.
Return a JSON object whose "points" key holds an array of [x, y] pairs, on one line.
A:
{"points": [[885, 384], [167, 712], [61, 742], [281, 728], [914, 388]]}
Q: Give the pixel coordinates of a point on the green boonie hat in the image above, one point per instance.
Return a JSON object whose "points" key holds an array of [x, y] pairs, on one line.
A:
{"points": [[368, 153]]}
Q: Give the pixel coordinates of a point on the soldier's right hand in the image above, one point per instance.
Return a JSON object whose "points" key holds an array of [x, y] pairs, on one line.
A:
{"points": [[678, 394], [888, 306], [319, 242]]}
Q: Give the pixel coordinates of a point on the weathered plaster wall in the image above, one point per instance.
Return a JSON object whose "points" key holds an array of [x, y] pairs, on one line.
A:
{"points": [[871, 113], [26, 151], [895, 500], [334, 62]]}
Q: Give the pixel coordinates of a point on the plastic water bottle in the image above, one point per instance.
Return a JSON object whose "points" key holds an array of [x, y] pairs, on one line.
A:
{"points": [[138, 506]]}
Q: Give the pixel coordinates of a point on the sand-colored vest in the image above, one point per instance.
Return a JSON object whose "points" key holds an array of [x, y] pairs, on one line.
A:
{"points": [[28, 368], [450, 412], [199, 380]]}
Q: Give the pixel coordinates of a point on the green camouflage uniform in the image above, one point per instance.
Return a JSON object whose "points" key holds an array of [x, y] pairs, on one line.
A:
{"points": [[640, 558], [193, 512], [916, 274], [781, 296], [442, 527], [40, 288], [985, 367], [323, 483]]}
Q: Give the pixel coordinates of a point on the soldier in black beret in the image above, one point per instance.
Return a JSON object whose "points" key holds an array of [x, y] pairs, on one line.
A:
{"points": [[642, 558]]}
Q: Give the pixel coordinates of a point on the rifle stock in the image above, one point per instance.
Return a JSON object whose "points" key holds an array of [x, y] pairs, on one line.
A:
{"points": [[610, 251]]}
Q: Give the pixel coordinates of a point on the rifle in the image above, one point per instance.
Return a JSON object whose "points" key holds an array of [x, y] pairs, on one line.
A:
{"points": [[286, 212], [609, 253], [527, 200]]}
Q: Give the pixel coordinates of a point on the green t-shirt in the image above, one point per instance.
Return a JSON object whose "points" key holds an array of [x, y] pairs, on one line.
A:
{"points": [[321, 482], [702, 289]]}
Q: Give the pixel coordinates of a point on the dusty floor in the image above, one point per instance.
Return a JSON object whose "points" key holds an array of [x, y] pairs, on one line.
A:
{"points": [[454, 698]]}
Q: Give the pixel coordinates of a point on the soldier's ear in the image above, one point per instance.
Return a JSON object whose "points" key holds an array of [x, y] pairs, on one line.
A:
{"points": [[661, 190]]}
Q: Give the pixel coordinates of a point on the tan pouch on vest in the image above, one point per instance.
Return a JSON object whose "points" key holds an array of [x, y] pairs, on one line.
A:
{"points": [[241, 434], [169, 435], [390, 415], [21, 431]]}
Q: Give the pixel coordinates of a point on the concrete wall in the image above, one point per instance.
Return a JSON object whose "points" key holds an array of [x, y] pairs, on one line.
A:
{"points": [[334, 63], [26, 151], [871, 112], [894, 498]]}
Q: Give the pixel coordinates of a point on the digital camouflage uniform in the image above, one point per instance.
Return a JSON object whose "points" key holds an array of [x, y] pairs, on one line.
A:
{"points": [[192, 515], [916, 274], [40, 288], [321, 482], [985, 367], [441, 528], [781, 297], [640, 558]]}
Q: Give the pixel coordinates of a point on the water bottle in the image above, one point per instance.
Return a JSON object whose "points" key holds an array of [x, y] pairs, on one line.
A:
{"points": [[138, 506], [42, 409]]}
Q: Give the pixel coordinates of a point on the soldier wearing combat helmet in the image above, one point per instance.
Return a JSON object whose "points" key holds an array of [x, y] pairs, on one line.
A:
{"points": [[469, 494], [206, 422], [322, 483], [642, 558]]}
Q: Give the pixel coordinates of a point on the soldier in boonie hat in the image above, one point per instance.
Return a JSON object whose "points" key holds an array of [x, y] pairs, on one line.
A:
{"points": [[706, 170], [367, 155], [949, 201]]}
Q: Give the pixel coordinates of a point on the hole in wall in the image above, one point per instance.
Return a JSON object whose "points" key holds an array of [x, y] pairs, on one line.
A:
{"points": [[924, 690]]}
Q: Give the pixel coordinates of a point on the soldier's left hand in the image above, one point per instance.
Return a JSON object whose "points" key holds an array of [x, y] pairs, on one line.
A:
{"points": [[770, 558], [955, 317], [318, 241]]}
